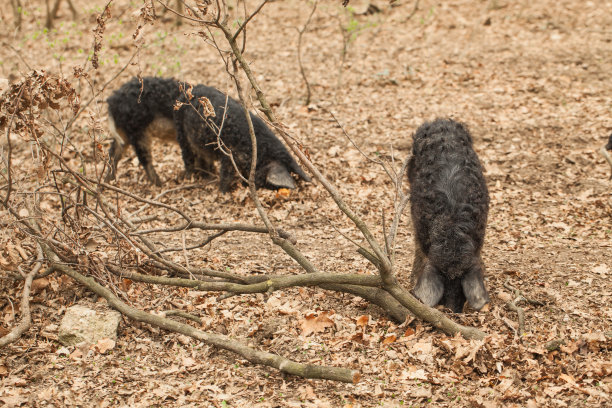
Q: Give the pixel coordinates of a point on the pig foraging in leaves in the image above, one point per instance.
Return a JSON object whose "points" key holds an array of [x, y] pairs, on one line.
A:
{"points": [[137, 113], [449, 207], [204, 129]]}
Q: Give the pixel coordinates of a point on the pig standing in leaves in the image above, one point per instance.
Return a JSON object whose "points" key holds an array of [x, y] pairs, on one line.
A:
{"points": [[137, 113], [449, 207], [209, 124]]}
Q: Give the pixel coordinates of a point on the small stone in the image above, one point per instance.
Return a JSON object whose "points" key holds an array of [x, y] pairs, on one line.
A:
{"points": [[82, 324]]}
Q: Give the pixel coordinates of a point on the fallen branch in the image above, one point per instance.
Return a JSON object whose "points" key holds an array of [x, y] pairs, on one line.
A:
{"points": [[512, 305], [26, 318], [433, 316], [220, 227], [223, 342], [268, 285], [194, 272]]}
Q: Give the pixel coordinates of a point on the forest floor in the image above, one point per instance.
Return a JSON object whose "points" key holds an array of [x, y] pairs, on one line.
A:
{"points": [[532, 82]]}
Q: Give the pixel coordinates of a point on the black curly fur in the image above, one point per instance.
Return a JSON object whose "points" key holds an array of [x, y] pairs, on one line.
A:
{"points": [[609, 145], [140, 111], [449, 207], [198, 140]]}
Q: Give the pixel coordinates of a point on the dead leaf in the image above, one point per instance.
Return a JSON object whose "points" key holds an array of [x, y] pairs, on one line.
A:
{"points": [[314, 324], [409, 332], [39, 284], [307, 393], [104, 345], [570, 348], [76, 355], [504, 296], [21, 252], [585, 194], [359, 337], [282, 193], [568, 379], [390, 339], [415, 374], [187, 361], [423, 348], [126, 284], [363, 320], [594, 337], [184, 340]]}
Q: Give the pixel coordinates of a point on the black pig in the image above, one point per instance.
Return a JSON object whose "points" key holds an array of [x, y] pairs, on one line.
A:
{"points": [[139, 112], [449, 207], [197, 131]]}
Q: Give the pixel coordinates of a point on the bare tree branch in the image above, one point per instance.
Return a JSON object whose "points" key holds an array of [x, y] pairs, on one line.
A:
{"points": [[223, 342], [271, 284], [26, 319]]}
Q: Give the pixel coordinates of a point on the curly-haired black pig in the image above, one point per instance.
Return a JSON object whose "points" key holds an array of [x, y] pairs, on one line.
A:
{"points": [[138, 112], [198, 125], [449, 207]]}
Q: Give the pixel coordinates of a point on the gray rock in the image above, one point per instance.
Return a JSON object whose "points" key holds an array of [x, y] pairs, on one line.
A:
{"points": [[81, 324]]}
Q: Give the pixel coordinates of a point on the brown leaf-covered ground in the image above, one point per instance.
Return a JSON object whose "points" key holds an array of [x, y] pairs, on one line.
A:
{"points": [[532, 81]]}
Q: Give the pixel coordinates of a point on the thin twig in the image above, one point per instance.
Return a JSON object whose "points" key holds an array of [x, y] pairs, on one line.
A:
{"points": [[414, 10], [512, 305], [520, 293], [163, 193], [271, 284], [16, 51], [401, 201], [350, 139], [299, 52], [253, 14], [9, 152], [185, 248], [96, 94]]}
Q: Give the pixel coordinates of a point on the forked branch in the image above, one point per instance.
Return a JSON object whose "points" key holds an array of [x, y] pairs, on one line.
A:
{"points": [[223, 342]]}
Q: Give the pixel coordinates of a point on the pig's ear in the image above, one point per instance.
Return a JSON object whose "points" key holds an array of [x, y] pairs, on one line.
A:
{"points": [[474, 289], [279, 177], [298, 170], [429, 287]]}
